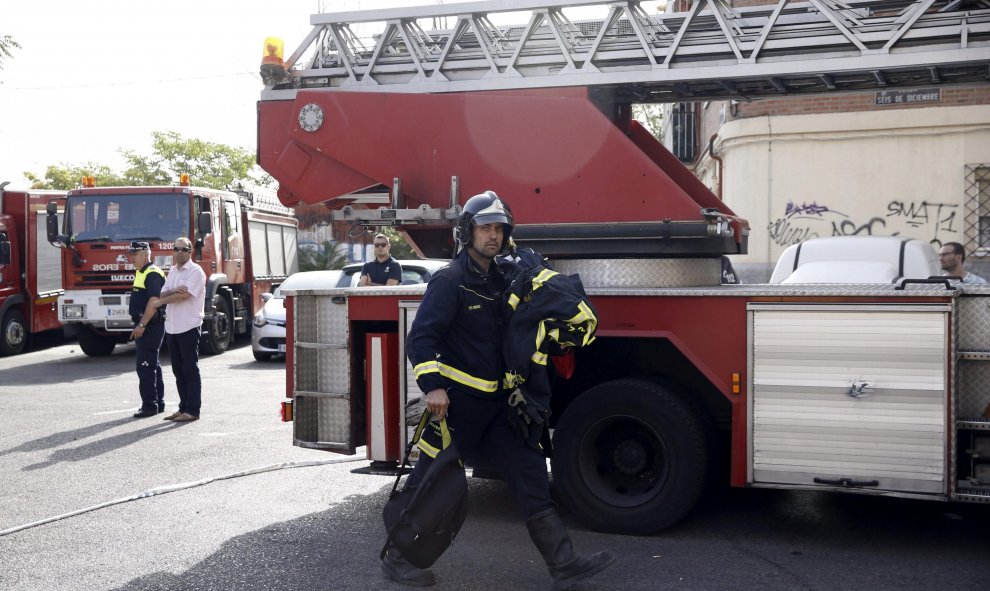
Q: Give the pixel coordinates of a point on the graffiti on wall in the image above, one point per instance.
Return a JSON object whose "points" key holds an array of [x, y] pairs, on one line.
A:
{"points": [[919, 219]]}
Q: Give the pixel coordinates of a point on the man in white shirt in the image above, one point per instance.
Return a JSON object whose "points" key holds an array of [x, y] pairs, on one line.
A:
{"points": [[184, 295], [951, 257]]}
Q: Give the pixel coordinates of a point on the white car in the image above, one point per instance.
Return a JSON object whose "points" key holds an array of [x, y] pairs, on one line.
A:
{"points": [[268, 332]]}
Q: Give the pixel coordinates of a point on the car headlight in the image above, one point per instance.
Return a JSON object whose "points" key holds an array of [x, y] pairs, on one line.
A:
{"points": [[259, 320]]}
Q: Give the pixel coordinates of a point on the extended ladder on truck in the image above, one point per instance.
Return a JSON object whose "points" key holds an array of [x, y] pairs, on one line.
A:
{"points": [[493, 75], [711, 51]]}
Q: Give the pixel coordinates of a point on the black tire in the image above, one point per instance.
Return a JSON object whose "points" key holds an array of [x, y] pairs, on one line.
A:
{"points": [[217, 336], [630, 456], [260, 356], [13, 333], [95, 345]]}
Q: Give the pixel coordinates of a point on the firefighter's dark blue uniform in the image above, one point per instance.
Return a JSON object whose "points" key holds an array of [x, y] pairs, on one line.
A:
{"points": [[455, 344], [148, 283]]}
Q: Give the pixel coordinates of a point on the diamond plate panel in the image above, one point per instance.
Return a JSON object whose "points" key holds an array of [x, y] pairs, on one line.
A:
{"points": [[974, 388], [322, 370], [321, 419], [974, 323], [619, 273], [318, 319]]}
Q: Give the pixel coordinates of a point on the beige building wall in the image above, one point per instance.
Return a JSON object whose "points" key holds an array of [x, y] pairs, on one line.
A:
{"points": [[898, 172]]}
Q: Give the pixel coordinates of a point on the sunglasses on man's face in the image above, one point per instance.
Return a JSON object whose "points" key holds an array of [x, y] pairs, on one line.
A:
{"points": [[381, 244], [181, 249]]}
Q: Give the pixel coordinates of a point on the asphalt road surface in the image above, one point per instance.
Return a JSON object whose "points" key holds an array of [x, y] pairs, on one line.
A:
{"points": [[237, 507]]}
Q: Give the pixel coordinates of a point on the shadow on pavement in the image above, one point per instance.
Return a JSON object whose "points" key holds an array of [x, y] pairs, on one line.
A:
{"points": [[103, 445], [753, 539], [338, 550], [64, 437]]}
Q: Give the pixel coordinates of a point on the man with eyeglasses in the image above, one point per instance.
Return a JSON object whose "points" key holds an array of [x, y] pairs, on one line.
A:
{"points": [[184, 294], [384, 270], [951, 257]]}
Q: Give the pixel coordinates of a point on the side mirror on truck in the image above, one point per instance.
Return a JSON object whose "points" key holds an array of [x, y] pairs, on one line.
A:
{"points": [[51, 225], [4, 250], [204, 224], [51, 221]]}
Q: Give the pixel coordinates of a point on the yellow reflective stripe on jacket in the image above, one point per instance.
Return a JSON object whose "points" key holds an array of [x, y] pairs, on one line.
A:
{"points": [[467, 379], [451, 372], [540, 358], [513, 301], [425, 368], [140, 276], [585, 315], [544, 276]]}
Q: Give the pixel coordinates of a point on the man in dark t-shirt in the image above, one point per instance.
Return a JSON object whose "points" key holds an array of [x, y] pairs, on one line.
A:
{"points": [[384, 270]]}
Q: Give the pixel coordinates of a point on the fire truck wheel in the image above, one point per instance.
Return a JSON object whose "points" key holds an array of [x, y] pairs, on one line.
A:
{"points": [[95, 345], [216, 338], [631, 456], [13, 333]]}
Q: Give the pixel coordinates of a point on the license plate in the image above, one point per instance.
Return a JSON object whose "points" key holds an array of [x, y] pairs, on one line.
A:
{"points": [[118, 313], [281, 348]]}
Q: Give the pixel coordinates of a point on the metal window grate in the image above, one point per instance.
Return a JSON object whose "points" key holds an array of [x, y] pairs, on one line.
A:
{"points": [[977, 210]]}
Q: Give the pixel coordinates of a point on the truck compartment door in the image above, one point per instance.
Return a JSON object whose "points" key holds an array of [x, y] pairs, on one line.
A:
{"points": [[324, 408], [851, 396]]}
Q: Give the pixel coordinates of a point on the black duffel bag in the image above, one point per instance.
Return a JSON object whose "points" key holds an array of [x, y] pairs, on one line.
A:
{"points": [[422, 523]]}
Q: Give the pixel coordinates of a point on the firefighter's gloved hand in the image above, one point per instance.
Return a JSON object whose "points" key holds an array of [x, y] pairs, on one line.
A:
{"points": [[529, 419]]}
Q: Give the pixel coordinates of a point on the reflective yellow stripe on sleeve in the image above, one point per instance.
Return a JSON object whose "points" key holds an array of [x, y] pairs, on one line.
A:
{"points": [[467, 379], [425, 368]]}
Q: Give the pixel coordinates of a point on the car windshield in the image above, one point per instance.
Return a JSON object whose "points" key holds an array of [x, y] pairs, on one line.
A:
{"points": [[123, 217]]}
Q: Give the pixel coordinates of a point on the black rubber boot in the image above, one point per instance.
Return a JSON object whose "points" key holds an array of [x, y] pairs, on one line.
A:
{"points": [[551, 539], [396, 568]]}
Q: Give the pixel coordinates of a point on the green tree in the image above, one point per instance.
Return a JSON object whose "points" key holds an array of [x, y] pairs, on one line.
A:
{"points": [[328, 257], [7, 43], [66, 176], [208, 164], [651, 116]]}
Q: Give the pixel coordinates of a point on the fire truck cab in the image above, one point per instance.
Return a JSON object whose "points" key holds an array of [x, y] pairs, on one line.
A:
{"points": [[243, 244]]}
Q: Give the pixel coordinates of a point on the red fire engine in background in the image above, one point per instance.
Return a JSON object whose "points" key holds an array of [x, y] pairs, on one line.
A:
{"points": [[243, 243], [30, 277], [873, 389]]}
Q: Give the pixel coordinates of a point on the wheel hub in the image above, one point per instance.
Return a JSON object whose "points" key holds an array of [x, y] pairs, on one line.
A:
{"points": [[15, 334], [630, 457]]}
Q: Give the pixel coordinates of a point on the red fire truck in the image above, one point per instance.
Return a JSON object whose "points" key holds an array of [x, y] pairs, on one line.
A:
{"points": [[30, 278], [872, 389], [243, 242]]}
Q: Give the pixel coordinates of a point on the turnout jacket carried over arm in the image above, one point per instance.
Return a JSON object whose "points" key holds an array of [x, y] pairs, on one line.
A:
{"points": [[455, 338], [547, 309]]}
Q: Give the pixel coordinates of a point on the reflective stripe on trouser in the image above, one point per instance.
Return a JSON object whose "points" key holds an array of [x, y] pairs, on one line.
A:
{"points": [[483, 433], [149, 370], [183, 348]]}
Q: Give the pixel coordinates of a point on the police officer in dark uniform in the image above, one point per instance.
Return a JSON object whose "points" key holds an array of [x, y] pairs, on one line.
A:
{"points": [[455, 348], [149, 329]]}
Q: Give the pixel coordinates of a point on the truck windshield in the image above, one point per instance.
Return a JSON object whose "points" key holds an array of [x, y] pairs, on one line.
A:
{"points": [[124, 217]]}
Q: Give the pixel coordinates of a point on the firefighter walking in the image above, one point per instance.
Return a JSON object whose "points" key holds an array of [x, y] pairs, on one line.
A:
{"points": [[149, 329], [455, 348]]}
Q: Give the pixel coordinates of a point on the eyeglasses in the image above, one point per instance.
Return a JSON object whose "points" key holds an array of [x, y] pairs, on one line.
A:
{"points": [[381, 244], [181, 249]]}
